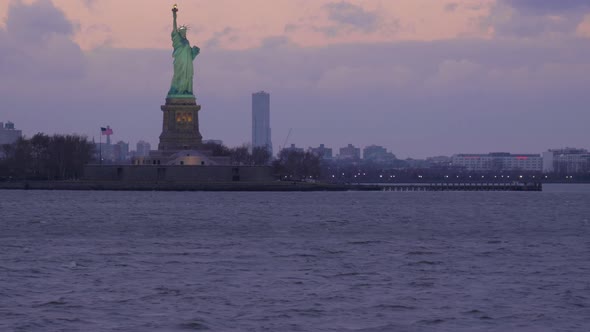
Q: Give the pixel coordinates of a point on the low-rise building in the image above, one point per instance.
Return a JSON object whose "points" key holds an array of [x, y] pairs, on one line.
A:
{"points": [[293, 148], [8, 134], [350, 152], [498, 161], [143, 149], [377, 154], [213, 141], [567, 160], [322, 152], [439, 161], [121, 151]]}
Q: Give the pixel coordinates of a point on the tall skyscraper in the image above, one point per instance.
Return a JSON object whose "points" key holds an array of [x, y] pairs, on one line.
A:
{"points": [[261, 120]]}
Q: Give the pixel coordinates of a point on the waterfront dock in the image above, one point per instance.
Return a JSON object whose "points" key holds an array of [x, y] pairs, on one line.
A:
{"points": [[470, 186], [264, 186]]}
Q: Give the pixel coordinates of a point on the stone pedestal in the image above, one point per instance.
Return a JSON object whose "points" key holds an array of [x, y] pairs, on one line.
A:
{"points": [[180, 129]]}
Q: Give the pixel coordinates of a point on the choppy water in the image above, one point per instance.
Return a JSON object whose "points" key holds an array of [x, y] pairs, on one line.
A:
{"points": [[354, 261]]}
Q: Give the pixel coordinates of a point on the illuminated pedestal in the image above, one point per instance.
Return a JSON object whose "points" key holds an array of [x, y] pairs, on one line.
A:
{"points": [[180, 127]]}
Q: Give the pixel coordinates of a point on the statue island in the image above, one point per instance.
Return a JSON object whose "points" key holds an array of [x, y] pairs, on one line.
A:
{"points": [[182, 161], [180, 129]]}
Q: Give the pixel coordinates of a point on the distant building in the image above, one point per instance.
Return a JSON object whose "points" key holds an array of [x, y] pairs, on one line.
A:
{"points": [[416, 163], [142, 149], [377, 154], [121, 151], [498, 161], [8, 134], [439, 161], [183, 158], [190, 158], [567, 160], [261, 134], [294, 148], [350, 152], [213, 141], [322, 152], [104, 151]]}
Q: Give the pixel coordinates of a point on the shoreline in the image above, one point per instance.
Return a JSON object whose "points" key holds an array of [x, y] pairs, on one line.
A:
{"points": [[172, 186], [261, 186]]}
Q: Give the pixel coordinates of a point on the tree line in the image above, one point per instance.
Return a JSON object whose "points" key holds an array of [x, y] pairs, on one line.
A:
{"points": [[63, 157], [44, 157], [291, 165], [294, 165], [240, 155]]}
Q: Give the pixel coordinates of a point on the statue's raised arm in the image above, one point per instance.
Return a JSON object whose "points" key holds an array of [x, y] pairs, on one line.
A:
{"points": [[174, 25]]}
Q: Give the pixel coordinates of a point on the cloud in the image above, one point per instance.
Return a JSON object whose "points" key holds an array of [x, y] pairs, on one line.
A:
{"points": [[290, 28], [583, 29], [454, 6], [344, 18], [453, 73], [38, 44], [547, 6], [228, 34], [103, 28], [89, 3], [382, 79], [350, 15], [328, 31], [275, 41], [451, 7], [521, 18], [36, 21]]}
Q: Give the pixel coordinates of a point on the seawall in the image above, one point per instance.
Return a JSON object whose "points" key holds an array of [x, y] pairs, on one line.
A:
{"points": [[171, 186], [258, 186]]}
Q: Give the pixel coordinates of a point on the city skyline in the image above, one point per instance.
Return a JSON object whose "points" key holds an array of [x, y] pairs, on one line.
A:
{"points": [[516, 86], [143, 147]]}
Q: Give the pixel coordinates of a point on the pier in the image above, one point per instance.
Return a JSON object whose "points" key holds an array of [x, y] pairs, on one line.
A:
{"points": [[470, 186]]}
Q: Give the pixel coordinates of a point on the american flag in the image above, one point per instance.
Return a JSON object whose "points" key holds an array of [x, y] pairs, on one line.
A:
{"points": [[106, 131]]}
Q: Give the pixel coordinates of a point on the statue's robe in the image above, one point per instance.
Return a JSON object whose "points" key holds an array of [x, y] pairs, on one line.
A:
{"points": [[182, 82]]}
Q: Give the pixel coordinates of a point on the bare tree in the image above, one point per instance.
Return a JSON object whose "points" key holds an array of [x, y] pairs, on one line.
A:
{"points": [[44, 157], [260, 155], [241, 155], [297, 165]]}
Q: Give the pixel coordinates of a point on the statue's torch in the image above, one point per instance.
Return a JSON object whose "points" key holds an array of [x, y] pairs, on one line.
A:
{"points": [[175, 8]]}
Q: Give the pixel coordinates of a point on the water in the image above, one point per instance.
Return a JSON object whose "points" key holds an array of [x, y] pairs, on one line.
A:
{"points": [[352, 261]]}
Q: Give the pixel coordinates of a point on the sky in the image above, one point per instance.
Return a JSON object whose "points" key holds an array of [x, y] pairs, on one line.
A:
{"points": [[419, 77]]}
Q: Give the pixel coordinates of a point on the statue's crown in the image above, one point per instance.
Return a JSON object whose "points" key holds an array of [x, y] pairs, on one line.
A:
{"points": [[184, 27]]}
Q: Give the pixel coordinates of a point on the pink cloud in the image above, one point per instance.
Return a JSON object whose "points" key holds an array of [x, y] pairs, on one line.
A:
{"points": [[143, 23]]}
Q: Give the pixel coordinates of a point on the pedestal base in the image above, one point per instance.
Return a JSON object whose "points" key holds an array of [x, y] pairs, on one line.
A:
{"points": [[180, 127]]}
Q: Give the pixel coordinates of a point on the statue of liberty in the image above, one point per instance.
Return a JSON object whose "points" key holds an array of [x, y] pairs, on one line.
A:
{"points": [[184, 54]]}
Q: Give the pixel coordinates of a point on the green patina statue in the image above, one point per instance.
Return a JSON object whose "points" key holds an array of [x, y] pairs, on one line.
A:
{"points": [[184, 54]]}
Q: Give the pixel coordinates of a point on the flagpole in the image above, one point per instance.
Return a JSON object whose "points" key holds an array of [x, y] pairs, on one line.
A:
{"points": [[100, 147]]}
